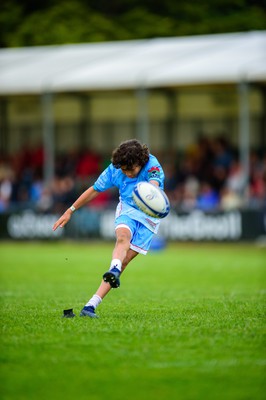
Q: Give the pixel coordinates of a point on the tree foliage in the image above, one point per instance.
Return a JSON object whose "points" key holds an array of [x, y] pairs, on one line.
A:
{"points": [[45, 22]]}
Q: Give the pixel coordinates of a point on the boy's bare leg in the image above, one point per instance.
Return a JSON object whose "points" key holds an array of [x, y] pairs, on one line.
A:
{"points": [[104, 287], [123, 237]]}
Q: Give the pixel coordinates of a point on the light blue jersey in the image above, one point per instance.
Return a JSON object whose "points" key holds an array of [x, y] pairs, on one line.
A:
{"points": [[112, 176]]}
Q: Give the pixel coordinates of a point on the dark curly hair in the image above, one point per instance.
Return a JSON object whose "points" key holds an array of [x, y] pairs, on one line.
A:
{"points": [[130, 153]]}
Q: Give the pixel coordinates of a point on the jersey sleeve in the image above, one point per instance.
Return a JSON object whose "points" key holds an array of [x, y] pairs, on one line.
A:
{"points": [[155, 173], [104, 181]]}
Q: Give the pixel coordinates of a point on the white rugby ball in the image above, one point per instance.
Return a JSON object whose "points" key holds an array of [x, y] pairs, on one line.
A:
{"points": [[151, 200]]}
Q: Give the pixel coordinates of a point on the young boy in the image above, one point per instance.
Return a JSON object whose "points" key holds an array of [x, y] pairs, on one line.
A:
{"points": [[131, 163]]}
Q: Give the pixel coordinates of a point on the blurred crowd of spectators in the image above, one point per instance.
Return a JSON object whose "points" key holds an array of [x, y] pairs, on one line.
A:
{"points": [[207, 176], [22, 185]]}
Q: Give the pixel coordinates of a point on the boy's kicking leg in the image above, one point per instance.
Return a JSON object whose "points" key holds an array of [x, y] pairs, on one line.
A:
{"points": [[105, 287], [122, 255], [123, 237]]}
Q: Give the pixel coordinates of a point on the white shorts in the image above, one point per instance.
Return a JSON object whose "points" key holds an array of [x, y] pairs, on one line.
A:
{"points": [[141, 237]]}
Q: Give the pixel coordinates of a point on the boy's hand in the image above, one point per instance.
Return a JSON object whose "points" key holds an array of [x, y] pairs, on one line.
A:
{"points": [[63, 220]]}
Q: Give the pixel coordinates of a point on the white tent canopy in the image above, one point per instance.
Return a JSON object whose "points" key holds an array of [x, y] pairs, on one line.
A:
{"points": [[236, 58], [151, 63]]}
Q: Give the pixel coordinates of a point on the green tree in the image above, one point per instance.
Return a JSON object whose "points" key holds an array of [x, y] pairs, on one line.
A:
{"points": [[31, 23]]}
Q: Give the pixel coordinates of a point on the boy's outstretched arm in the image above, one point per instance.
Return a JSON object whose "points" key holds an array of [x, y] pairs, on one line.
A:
{"points": [[83, 199]]}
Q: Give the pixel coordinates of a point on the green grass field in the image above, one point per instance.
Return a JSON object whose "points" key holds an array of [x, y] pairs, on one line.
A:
{"points": [[187, 323]]}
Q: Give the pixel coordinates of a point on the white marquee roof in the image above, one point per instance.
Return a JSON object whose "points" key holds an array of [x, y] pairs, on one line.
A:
{"points": [[162, 62]]}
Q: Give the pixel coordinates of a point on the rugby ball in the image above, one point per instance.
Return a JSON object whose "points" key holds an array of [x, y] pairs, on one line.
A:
{"points": [[151, 200]]}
